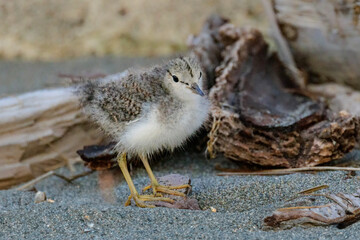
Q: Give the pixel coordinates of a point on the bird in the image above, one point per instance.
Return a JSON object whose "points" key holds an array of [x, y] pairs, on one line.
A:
{"points": [[146, 111]]}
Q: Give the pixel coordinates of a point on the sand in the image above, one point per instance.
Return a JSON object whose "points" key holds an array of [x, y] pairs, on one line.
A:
{"points": [[82, 211]]}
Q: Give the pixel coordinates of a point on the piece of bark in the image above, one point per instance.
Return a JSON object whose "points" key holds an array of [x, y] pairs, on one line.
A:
{"points": [[102, 157], [41, 131], [324, 37], [344, 211], [99, 157], [261, 116]]}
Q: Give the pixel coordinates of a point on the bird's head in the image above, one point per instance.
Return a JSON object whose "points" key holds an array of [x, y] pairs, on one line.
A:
{"points": [[184, 78]]}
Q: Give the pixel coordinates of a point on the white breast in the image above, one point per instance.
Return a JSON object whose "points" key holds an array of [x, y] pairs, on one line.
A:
{"points": [[148, 135]]}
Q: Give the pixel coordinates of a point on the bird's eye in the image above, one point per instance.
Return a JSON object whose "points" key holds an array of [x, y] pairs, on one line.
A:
{"points": [[175, 78], [200, 75]]}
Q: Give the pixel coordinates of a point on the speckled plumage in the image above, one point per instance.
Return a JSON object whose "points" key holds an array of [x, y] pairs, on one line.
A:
{"points": [[122, 99], [147, 110]]}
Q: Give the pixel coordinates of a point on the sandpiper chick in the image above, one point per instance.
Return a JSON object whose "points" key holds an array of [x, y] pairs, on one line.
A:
{"points": [[148, 111]]}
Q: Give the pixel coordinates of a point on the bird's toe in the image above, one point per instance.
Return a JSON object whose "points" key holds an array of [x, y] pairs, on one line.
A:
{"points": [[141, 199]]}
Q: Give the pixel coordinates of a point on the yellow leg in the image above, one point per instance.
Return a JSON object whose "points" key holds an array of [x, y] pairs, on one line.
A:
{"points": [[139, 199], [156, 186]]}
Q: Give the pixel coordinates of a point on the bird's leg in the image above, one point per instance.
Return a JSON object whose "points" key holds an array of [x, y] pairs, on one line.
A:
{"points": [[139, 199], [156, 186]]}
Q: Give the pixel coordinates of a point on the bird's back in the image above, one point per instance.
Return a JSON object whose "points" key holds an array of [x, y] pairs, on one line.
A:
{"points": [[113, 102]]}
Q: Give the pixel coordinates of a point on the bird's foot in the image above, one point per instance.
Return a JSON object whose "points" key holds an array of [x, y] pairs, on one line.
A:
{"points": [[141, 199], [167, 189]]}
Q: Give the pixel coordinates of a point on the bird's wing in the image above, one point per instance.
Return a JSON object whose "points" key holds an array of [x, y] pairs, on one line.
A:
{"points": [[121, 101]]}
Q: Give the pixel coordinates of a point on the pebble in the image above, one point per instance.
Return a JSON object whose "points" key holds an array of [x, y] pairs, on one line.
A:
{"points": [[40, 197]]}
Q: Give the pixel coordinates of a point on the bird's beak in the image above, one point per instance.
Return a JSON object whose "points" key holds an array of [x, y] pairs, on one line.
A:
{"points": [[196, 89]]}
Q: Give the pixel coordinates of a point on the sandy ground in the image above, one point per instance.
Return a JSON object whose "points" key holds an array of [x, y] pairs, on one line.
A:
{"points": [[82, 210]]}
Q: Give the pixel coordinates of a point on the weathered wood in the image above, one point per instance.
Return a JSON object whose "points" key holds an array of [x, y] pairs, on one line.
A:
{"points": [[261, 115], [324, 37], [340, 98], [344, 210], [284, 52], [41, 131]]}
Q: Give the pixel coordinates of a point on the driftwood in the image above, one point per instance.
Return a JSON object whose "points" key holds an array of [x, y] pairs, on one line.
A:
{"points": [[324, 37], [41, 131], [339, 97], [260, 115], [284, 52], [343, 211]]}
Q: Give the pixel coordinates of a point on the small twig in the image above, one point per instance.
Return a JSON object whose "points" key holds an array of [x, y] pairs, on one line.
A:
{"points": [[34, 181], [307, 192], [289, 171], [332, 197], [69, 180], [52, 173], [314, 189], [302, 207]]}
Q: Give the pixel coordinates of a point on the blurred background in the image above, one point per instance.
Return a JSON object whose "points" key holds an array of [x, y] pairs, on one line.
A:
{"points": [[39, 40]]}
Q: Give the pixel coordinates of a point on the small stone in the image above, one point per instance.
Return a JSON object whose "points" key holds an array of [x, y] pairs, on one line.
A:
{"points": [[213, 209], [344, 114], [40, 197]]}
